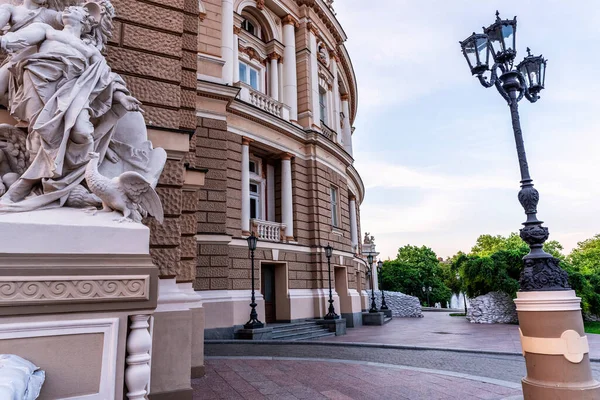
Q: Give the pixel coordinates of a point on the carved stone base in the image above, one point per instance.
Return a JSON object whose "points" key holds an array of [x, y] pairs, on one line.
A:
{"points": [[543, 274]]}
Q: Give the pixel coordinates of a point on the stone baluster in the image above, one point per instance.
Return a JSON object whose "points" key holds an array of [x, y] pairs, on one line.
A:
{"points": [[139, 343]]}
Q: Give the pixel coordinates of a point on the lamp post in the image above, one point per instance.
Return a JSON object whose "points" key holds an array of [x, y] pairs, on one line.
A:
{"points": [[253, 322], [552, 335], [427, 290], [331, 312], [370, 271], [379, 269]]}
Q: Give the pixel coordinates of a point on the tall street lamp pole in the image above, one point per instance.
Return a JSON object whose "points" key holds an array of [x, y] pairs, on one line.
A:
{"points": [[331, 312], [253, 322], [370, 271], [552, 335], [427, 290], [379, 269]]}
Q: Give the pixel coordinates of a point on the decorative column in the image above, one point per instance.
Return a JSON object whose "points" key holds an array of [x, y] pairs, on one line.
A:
{"points": [[139, 343], [336, 96], [314, 74], [274, 76], [347, 129], [290, 85], [227, 40], [236, 56], [353, 224], [246, 186], [287, 208]]}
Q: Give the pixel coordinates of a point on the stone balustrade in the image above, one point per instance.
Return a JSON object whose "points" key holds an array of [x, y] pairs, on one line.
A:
{"points": [[263, 101], [268, 231], [328, 133]]}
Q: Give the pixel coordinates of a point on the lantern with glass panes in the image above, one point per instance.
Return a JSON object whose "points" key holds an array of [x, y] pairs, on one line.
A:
{"points": [[526, 79]]}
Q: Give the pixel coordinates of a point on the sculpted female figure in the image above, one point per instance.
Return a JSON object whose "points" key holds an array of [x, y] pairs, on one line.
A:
{"points": [[65, 91]]}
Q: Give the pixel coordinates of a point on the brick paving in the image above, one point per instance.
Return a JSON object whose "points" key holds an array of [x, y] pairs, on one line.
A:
{"points": [[440, 330], [314, 380]]}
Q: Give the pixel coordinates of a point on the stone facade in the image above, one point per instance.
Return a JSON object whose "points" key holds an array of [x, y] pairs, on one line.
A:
{"points": [[278, 149], [402, 305], [492, 308]]}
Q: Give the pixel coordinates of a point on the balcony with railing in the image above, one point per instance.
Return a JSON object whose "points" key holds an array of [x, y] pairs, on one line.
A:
{"points": [[263, 101], [329, 133], [268, 231]]}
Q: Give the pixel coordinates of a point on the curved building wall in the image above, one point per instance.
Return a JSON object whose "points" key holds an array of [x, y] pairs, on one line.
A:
{"points": [[275, 105]]}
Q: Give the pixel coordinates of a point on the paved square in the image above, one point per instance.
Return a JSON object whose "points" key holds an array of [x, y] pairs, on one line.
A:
{"points": [[314, 380]]}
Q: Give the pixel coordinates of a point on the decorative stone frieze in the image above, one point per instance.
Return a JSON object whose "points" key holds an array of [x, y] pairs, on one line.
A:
{"points": [[43, 289]]}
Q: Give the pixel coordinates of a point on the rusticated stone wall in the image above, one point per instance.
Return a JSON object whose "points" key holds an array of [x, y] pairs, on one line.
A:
{"points": [[154, 48]]}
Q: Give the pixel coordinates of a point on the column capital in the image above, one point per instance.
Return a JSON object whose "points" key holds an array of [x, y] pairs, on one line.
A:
{"points": [[286, 156], [260, 4], [345, 97], [275, 56], [289, 20], [237, 30], [312, 28], [352, 197], [246, 141]]}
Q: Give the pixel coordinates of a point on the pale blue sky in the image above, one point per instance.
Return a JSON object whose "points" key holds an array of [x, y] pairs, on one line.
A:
{"points": [[435, 149]]}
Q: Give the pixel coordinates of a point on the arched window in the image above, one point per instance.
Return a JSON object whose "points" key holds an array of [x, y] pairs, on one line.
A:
{"points": [[249, 27]]}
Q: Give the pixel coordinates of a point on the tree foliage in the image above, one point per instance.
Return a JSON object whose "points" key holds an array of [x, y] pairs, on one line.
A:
{"points": [[415, 268]]}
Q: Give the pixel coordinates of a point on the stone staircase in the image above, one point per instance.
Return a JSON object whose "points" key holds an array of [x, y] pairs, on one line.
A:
{"points": [[305, 330]]}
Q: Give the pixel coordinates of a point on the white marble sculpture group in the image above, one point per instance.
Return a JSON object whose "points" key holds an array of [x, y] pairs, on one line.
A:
{"points": [[81, 140]]}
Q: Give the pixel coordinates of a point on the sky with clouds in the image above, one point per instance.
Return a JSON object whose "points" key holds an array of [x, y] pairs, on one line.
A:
{"points": [[435, 149]]}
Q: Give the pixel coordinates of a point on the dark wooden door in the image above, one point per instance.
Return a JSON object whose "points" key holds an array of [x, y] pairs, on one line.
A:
{"points": [[267, 289]]}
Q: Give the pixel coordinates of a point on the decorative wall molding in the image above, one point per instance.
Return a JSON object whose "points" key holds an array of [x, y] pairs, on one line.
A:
{"points": [[109, 327], [26, 290]]}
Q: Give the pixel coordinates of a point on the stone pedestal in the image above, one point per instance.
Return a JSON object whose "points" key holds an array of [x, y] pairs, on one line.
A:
{"points": [[387, 313], [254, 334], [77, 284], [555, 347], [172, 344], [334, 325], [370, 318]]}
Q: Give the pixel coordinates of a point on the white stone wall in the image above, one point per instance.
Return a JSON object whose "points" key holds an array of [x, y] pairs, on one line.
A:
{"points": [[402, 305], [492, 308]]}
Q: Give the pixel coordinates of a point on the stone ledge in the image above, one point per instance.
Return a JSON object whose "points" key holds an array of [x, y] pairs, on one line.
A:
{"points": [[254, 334], [370, 318], [334, 325]]}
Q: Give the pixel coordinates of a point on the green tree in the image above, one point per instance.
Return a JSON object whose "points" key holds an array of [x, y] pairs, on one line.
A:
{"points": [[415, 268], [586, 256]]}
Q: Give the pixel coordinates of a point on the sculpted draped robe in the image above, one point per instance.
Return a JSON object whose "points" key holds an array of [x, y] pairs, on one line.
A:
{"points": [[49, 89]]}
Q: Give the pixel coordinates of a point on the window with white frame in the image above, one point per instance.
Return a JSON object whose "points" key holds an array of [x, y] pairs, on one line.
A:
{"points": [[255, 203], [249, 75], [257, 186], [335, 210], [323, 105]]}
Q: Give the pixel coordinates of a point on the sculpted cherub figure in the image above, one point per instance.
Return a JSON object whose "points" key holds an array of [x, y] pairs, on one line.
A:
{"points": [[19, 16], [63, 88]]}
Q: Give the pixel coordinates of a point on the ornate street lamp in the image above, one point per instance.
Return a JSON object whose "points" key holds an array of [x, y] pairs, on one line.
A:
{"points": [[379, 269], [253, 322], [549, 311], [370, 272], [331, 312]]}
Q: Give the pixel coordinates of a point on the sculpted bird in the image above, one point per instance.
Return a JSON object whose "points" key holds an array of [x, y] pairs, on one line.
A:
{"points": [[128, 193]]}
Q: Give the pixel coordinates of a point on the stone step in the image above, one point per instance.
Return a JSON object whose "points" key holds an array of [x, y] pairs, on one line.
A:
{"points": [[283, 326], [311, 329], [387, 319], [305, 336], [297, 329]]}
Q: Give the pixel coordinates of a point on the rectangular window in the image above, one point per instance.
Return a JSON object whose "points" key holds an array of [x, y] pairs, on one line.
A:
{"points": [[334, 207], [323, 106], [249, 75], [254, 201], [252, 167]]}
